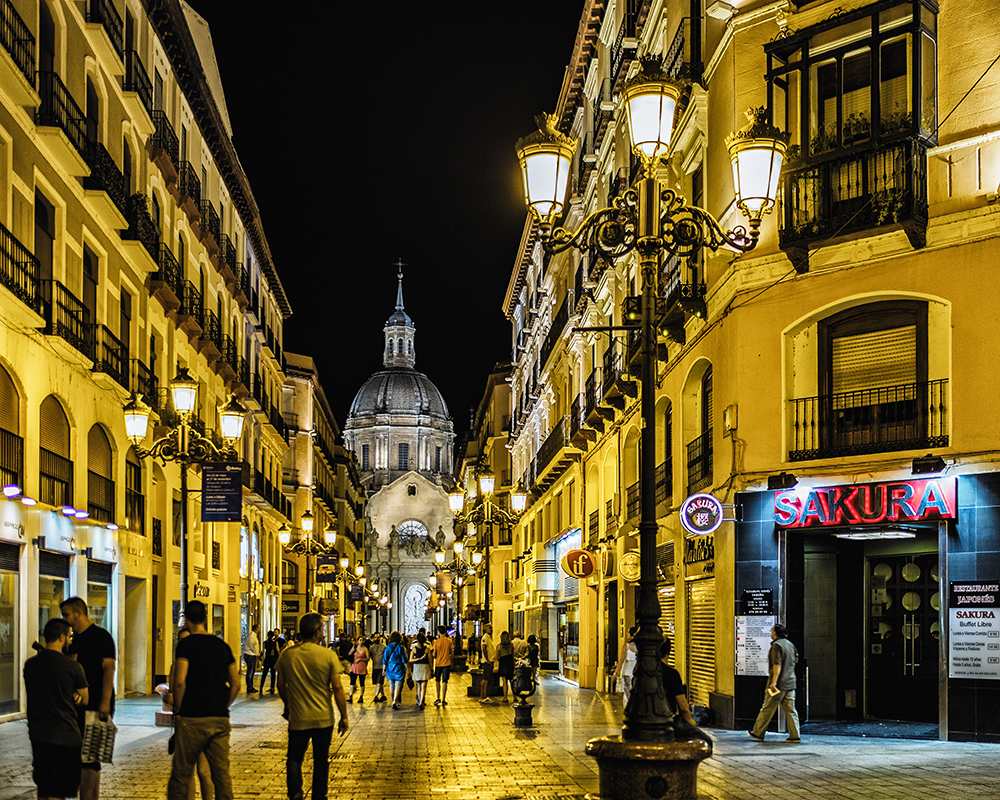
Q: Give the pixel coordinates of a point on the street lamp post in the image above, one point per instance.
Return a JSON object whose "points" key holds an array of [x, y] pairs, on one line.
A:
{"points": [[185, 445], [307, 545], [653, 221]]}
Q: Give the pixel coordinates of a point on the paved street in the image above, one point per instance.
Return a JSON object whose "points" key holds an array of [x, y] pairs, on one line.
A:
{"points": [[473, 752]]}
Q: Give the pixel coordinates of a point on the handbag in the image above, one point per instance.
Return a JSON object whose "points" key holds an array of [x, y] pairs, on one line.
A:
{"points": [[98, 739], [409, 682]]}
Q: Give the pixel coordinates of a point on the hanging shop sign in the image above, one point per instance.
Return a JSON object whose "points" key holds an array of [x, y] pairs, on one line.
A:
{"points": [[356, 593], [222, 492], [579, 564], [630, 566], [326, 569], [892, 501], [701, 514], [699, 556], [974, 630]]}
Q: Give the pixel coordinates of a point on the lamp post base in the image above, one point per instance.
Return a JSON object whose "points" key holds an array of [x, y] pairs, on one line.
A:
{"points": [[641, 770]]}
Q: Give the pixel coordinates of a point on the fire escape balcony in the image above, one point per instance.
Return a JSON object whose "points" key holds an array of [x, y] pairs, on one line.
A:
{"points": [[62, 124], [164, 147], [19, 43], [165, 283]]}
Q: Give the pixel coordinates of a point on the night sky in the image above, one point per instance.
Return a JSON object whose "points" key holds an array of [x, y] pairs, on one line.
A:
{"points": [[373, 132]]}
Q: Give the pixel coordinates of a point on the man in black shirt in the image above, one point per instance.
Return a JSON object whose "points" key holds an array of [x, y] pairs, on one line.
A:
{"points": [[55, 686], [673, 685], [94, 650], [207, 680]]}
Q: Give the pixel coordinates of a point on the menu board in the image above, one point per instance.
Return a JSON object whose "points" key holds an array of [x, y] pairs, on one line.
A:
{"points": [[753, 640], [974, 630]]}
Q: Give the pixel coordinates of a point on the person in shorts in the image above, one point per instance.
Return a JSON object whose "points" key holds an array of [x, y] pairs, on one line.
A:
{"points": [[444, 648], [56, 685], [376, 649], [487, 663]]}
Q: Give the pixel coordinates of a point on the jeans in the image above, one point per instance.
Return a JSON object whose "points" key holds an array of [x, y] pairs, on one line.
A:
{"points": [[297, 743], [194, 735], [787, 702], [251, 662], [269, 666]]}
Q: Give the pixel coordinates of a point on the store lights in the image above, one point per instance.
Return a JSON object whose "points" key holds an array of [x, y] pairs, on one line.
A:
{"points": [[11, 490]]}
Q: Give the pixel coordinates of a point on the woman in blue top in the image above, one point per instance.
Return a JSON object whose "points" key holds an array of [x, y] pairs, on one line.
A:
{"points": [[394, 661]]}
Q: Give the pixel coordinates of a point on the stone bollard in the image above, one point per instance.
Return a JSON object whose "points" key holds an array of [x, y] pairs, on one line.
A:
{"points": [[522, 715]]}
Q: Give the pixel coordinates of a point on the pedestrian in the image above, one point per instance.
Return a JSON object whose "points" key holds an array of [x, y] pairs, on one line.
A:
{"points": [[345, 648], [203, 773], [444, 648], [56, 687], [533, 655], [394, 660], [627, 659], [487, 663], [376, 649], [420, 658], [359, 669], [94, 649], [280, 638], [505, 663], [251, 651], [307, 677], [520, 646], [271, 653], [673, 685], [781, 659], [206, 681]]}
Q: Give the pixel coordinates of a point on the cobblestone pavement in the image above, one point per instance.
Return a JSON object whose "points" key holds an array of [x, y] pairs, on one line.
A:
{"points": [[473, 752]]}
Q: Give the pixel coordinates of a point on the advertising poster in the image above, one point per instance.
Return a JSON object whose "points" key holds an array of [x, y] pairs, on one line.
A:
{"points": [[974, 630]]}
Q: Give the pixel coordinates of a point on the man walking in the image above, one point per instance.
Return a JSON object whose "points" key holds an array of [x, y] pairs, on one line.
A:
{"points": [[55, 686], [376, 650], [94, 650], [520, 646], [251, 651], [781, 659], [306, 676], [444, 647], [207, 680], [487, 663]]}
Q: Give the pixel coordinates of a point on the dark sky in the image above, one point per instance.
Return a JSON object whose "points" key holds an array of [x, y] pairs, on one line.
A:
{"points": [[372, 132]]}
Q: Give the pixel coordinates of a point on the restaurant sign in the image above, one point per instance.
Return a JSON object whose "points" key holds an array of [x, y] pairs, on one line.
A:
{"points": [[867, 503]]}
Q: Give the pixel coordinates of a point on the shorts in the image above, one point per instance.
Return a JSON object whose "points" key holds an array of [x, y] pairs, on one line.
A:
{"points": [[376, 677], [487, 668], [442, 673], [354, 679], [55, 769]]}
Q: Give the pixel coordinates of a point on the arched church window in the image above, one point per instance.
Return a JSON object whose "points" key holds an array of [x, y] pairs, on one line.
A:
{"points": [[409, 347], [410, 531], [399, 344], [390, 347]]}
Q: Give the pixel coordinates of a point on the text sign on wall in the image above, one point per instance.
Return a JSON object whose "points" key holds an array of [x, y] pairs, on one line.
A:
{"points": [[974, 630], [579, 564], [757, 602], [867, 503], [701, 514], [753, 640], [222, 492]]}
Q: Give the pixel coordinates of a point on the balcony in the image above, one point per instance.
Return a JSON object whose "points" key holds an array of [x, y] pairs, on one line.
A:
{"points": [[676, 61], [65, 318], [58, 111], [189, 314], [594, 528], [210, 224], [144, 382], [141, 228], [106, 15], [699, 458], [228, 364], [610, 517], [241, 291], [136, 82], [633, 501], [891, 418], [164, 147], [100, 497], [617, 385], [11, 458], [595, 413], [227, 258], [18, 41], [107, 179], [603, 111], [210, 341], [188, 190], [579, 433], [165, 283], [679, 300], [18, 270], [55, 478], [555, 332], [665, 483], [242, 381], [878, 190], [555, 455], [110, 356]]}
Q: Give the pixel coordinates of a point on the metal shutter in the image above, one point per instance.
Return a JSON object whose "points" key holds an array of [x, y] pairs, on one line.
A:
{"points": [[53, 428], [667, 595], [99, 571], [10, 404], [10, 557], [701, 640], [55, 565], [874, 360]]}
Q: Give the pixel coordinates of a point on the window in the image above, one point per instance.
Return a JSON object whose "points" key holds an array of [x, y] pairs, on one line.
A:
{"points": [[55, 467], [699, 451], [135, 503], [403, 456], [390, 347], [100, 486], [45, 233], [437, 459], [364, 457], [289, 575], [411, 490]]}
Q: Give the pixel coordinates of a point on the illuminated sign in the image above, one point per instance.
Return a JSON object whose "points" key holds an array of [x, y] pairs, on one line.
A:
{"points": [[579, 564], [701, 514], [867, 503], [630, 566]]}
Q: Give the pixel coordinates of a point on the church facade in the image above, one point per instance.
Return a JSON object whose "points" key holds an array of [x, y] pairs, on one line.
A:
{"points": [[400, 430]]}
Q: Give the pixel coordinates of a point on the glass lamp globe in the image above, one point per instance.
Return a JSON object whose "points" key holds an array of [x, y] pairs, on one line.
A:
{"points": [[184, 390], [307, 522], [136, 418], [487, 480], [284, 535], [231, 417], [651, 99], [456, 499], [757, 152], [546, 157]]}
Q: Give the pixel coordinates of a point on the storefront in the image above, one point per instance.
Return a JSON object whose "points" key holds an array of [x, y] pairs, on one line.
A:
{"points": [[567, 608], [861, 574], [12, 540]]}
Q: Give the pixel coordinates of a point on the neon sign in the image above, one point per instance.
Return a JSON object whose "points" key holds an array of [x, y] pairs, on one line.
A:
{"points": [[867, 503]]}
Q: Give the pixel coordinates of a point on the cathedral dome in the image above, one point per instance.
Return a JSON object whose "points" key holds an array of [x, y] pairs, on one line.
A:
{"points": [[398, 391]]}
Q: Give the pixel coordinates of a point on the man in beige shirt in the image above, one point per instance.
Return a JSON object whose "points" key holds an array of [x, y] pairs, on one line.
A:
{"points": [[308, 674]]}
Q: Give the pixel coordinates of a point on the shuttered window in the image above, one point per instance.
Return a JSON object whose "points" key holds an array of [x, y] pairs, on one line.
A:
{"points": [[53, 432], [874, 360], [99, 571], [99, 452], [668, 620], [701, 640], [55, 565], [10, 404], [10, 557]]}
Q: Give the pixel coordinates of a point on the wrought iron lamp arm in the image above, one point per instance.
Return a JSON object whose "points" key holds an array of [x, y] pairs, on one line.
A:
{"points": [[171, 447], [686, 228], [611, 230]]}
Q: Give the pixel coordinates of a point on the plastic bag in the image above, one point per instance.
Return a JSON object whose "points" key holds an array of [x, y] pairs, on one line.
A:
{"points": [[98, 739]]}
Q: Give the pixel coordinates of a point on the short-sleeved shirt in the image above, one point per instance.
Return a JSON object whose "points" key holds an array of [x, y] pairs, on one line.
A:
{"points": [[489, 649], [206, 688], [672, 685], [376, 650], [50, 679], [308, 671], [520, 647], [91, 648], [443, 648], [783, 652]]}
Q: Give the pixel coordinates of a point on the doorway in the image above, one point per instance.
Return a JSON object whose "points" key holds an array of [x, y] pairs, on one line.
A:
{"points": [[135, 638]]}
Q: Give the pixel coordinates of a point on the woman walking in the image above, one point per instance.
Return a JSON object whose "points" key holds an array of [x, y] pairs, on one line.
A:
{"points": [[359, 669], [394, 664], [627, 660], [421, 661], [505, 668], [271, 653]]}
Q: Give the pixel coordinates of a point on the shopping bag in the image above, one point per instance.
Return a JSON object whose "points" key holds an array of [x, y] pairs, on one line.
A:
{"points": [[98, 739]]}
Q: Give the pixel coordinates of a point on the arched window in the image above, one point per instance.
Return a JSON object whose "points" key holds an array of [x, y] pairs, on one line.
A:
{"points": [[390, 347], [11, 443], [55, 468], [100, 486], [399, 346], [409, 347], [289, 575]]}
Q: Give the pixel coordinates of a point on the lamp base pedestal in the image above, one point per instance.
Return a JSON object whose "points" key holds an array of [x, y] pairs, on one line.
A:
{"points": [[522, 714], [641, 770]]}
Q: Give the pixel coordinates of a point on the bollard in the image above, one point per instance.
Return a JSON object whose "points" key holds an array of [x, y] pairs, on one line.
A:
{"points": [[522, 715]]}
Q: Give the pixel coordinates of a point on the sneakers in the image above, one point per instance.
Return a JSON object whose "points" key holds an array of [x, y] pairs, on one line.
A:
{"points": [[488, 701], [437, 702], [753, 735]]}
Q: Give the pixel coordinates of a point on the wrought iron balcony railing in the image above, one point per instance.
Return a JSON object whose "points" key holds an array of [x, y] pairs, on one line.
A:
{"points": [[100, 497], [164, 137], [136, 79], [191, 300], [665, 481], [613, 364], [227, 252], [633, 501], [188, 183], [557, 439], [594, 391], [601, 118], [699, 457], [210, 219], [17, 40], [105, 176], [141, 227], [11, 458], [911, 416], [594, 527], [104, 12], [55, 473], [18, 269], [555, 332], [65, 316], [110, 356], [58, 109], [169, 270], [144, 382]]}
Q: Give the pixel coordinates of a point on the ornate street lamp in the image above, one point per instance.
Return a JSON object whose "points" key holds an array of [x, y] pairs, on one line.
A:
{"points": [[185, 445], [653, 220]]}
